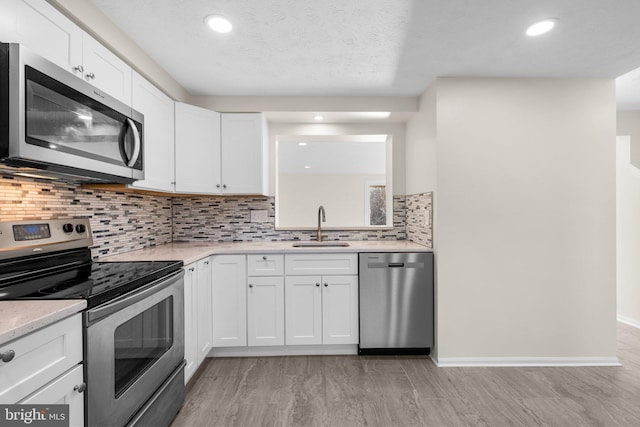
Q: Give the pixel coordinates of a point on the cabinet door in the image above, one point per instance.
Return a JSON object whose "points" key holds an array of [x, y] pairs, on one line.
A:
{"points": [[190, 321], [205, 320], [104, 70], [197, 142], [244, 153], [303, 310], [229, 301], [158, 133], [63, 391], [340, 309], [40, 357], [265, 311], [47, 32]]}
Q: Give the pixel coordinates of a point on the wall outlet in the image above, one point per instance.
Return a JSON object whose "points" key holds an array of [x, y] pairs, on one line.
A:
{"points": [[259, 216]]}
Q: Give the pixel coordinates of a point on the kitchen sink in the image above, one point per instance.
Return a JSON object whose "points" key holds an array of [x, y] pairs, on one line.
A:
{"points": [[327, 244]]}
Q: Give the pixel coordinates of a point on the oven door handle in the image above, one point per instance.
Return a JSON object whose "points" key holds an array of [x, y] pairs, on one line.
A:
{"points": [[118, 304]]}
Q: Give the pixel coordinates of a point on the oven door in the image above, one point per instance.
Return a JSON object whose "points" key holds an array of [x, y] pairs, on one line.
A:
{"points": [[133, 344]]}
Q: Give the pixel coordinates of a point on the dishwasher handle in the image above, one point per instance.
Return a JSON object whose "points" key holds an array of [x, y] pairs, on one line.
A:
{"points": [[395, 265]]}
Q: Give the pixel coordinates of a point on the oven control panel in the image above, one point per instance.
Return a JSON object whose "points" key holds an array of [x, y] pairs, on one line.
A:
{"points": [[32, 236]]}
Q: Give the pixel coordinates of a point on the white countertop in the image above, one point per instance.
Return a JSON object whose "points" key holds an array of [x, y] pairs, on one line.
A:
{"points": [[188, 252], [18, 318]]}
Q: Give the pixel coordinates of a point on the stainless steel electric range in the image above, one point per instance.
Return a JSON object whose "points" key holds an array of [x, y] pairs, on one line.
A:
{"points": [[133, 324]]}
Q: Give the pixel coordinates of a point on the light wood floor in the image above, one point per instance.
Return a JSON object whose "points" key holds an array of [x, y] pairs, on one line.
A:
{"points": [[411, 391]]}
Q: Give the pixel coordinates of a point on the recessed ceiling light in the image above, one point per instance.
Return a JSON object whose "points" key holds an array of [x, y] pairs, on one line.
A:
{"points": [[307, 167], [318, 117], [219, 24], [302, 144], [541, 27]]}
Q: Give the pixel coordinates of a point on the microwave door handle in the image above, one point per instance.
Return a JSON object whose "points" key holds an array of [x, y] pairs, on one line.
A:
{"points": [[136, 140]]}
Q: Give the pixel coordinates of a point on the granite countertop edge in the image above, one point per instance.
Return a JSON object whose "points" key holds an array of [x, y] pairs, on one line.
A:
{"points": [[19, 318], [189, 252]]}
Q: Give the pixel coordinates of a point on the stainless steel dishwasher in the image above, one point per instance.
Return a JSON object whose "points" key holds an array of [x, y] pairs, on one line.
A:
{"points": [[396, 303]]}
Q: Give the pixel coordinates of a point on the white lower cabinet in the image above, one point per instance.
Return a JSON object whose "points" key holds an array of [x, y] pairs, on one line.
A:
{"points": [[229, 300], [265, 311], [64, 390], [197, 315], [280, 300], [321, 309], [45, 367]]}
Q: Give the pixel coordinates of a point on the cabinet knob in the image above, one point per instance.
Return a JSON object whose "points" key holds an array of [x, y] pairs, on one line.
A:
{"points": [[191, 269], [206, 262], [90, 76], [217, 185], [79, 68], [250, 285], [7, 356], [318, 285], [264, 257], [224, 185], [326, 285], [80, 388]]}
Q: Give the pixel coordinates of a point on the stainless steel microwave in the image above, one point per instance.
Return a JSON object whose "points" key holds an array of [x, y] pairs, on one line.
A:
{"points": [[56, 123]]}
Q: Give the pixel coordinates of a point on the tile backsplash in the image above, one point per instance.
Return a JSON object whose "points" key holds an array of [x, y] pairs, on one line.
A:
{"points": [[122, 222], [228, 219]]}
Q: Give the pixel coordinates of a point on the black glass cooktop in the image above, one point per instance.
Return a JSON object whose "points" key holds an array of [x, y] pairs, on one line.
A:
{"points": [[76, 277]]}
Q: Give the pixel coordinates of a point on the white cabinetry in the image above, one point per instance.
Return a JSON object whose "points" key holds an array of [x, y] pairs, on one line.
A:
{"points": [[321, 299], [190, 321], [197, 139], [103, 69], [198, 315], [229, 301], [265, 300], [46, 367], [43, 29], [159, 173], [244, 167]]}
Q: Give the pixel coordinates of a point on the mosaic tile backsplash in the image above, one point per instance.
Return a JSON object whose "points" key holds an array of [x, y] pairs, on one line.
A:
{"points": [[123, 222], [120, 222], [228, 219], [420, 218]]}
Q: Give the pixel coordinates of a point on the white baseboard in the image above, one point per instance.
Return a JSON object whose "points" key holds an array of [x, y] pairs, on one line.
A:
{"points": [[285, 350], [629, 321], [525, 361]]}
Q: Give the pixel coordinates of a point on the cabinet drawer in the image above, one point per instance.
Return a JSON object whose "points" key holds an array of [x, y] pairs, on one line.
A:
{"points": [[303, 264], [39, 358], [265, 265]]}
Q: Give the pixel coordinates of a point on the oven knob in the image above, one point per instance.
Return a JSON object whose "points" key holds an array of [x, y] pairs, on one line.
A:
{"points": [[80, 228], [67, 228]]}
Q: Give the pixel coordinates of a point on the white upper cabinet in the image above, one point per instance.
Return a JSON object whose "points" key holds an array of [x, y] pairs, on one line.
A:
{"points": [[43, 29], [157, 108], [244, 153], [105, 70], [197, 139]]}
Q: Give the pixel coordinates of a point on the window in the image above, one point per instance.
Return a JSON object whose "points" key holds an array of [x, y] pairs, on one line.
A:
{"points": [[375, 203]]}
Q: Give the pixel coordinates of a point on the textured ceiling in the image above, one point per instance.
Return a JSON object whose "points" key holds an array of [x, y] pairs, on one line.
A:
{"points": [[376, 47]]}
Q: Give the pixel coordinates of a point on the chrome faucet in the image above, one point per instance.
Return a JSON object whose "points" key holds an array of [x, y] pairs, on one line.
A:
{"points": [[320, 212]]}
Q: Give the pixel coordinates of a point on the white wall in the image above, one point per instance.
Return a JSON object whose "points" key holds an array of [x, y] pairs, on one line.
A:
{"points": [[628, 123], [627, 222], [396, 130], [421, 146], [341, 195], [525, 220]]}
